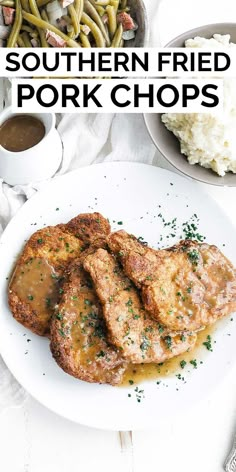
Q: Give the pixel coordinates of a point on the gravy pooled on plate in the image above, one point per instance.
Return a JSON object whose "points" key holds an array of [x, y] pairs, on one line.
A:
{"points": [[21, 132]]}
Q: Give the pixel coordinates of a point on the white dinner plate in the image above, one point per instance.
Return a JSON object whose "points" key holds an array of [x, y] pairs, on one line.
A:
{"points": [[144, 199]]}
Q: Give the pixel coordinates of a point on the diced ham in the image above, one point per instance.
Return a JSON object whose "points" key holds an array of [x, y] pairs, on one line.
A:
{"points": [[126, 21], [62, 24], [54, 40], [86, 30], [65, 3], [34, 42], [8, 14]]}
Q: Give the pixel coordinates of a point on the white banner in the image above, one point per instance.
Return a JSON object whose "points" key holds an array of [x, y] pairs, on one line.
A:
{"points": [[125, 62]]}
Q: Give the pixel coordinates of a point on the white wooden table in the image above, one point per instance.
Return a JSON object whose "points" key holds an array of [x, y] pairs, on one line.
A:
{"points": [[35, 440]]}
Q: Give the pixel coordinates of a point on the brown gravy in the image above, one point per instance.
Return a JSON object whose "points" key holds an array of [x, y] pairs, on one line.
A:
{"points": [[35, 284], [142, 372], [21, 132]]}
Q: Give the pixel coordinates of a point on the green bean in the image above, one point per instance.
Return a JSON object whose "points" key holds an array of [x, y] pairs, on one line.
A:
{"points": [[35, 11], [92, 12], [117, 37], [35, 35], [26, 40], [115, 4], [7, 3], [44, 15], [25, 5], [84, 40], [123, 4], [74, 20], [102, 2], [20, 42], [42, 3], [27, 28], [46, 26], [112, 23], [96, 32], [99, 8], [79, 8], [16, 26]]}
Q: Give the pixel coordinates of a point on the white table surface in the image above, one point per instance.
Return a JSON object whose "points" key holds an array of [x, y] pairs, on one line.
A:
{"points": [[34, 439]]}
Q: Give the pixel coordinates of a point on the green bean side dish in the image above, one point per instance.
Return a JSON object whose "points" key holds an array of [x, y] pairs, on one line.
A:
{"points": [[65, 23]]}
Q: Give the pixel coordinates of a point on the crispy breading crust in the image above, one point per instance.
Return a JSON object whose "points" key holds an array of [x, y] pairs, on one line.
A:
{"points": [[185, 287], [58, 245], [89, 227], [78, 333], [131, 328]]}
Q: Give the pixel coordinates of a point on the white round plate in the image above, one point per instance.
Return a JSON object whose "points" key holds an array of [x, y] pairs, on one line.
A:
{"points": [[134, 194]]}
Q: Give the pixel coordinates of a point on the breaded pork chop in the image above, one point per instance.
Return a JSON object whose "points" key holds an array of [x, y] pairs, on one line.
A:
{"points": [[186, 287], [34, 286], [131, 329], [78, 332]]}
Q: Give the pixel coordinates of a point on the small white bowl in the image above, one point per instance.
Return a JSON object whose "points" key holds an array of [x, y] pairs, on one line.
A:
{"points": [[37, 163]]}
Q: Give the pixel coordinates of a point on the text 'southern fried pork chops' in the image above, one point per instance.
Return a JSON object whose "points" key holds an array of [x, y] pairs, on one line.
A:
{"points": [[186, 287], [34, 285], [139, 338]]}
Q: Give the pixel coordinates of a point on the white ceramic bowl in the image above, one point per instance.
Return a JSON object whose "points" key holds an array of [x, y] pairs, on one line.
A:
{"points": [[166, 142], [37, 163]]}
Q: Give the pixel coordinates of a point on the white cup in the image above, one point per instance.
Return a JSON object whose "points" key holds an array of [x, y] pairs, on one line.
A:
{"points": [[37, 163]]}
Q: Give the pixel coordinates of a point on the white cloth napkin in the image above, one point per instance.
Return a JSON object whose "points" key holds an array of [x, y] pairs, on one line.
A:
{"points": [[87, 139]]}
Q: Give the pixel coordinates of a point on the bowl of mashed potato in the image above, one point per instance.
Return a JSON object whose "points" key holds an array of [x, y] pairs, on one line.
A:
{"points": [[201, 145]]}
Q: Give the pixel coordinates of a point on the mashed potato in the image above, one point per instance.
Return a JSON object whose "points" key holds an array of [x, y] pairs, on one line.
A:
{"points": [[209, 139]]}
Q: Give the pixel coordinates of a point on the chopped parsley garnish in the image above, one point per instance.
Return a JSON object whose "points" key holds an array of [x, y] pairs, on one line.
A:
{"points": [[182, 364], [30, 297], [168, 341], [87, 302], [145, 345], [208, 343], [193, 362], [120, 222], [129, 302], [40, 241], [193, 256], [131, 382], [101, 354], [48, 302], [61, 332]]}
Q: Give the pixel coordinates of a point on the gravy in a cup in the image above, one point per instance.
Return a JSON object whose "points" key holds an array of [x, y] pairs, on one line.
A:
{"points": [[21, 132]]}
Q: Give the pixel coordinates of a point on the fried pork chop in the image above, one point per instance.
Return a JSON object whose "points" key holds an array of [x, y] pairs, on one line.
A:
{"points": [[131, 329], [186, 287], [34, 286], [78, 332]]}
